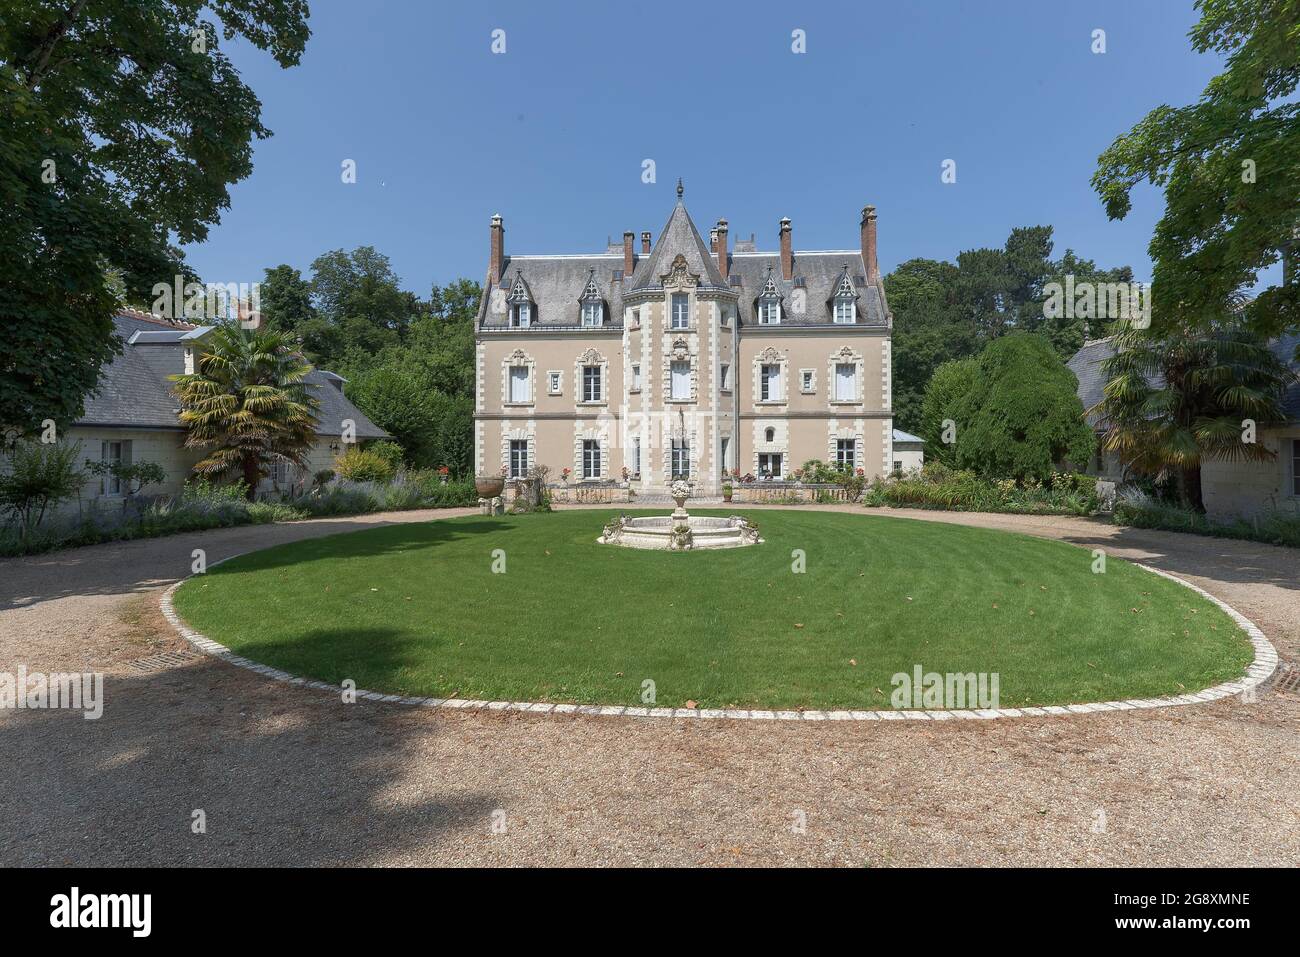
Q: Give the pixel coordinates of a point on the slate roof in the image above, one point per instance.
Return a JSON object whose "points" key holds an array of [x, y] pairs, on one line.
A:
{"points": [[906, 438], [819, 273], [134, 391], [556, 283], [1086, 366], [678, 237], [1285, 349]]}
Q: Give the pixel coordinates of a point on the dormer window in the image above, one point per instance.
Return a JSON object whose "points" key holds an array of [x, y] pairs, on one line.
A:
{"points": [[769, 303], [845, 302], [521, 304], [593, 307]]}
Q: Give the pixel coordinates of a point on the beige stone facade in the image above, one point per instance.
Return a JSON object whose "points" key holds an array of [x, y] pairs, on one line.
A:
{"points": [[683, 360]]}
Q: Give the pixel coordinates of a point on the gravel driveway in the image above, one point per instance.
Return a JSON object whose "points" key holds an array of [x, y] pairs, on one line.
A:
{"points": [[292, 777]]}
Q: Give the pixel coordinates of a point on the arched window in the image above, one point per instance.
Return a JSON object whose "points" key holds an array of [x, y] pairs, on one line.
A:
{"points": [[769, 435]]}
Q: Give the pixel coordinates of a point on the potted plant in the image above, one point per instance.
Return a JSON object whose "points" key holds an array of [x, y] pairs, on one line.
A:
{"points": [[726, 491], [490, 486], [680, 491]]}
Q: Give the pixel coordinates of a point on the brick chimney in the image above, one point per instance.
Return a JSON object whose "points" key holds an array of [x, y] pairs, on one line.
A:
{"points": [[721, 249], [869, 243], [787, 253], [496, 262], [645, 243], [629, 259]]}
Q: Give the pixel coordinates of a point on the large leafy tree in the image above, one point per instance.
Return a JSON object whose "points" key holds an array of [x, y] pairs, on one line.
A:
{"points": [[1174, 401], [286, 299], [122, 125], [422, 391], [1229, 170], [945, 311], [247, 404], [1015, 410]]}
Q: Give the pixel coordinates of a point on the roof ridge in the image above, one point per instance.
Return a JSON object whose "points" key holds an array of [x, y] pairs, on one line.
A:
{"points": [[131, 312]]}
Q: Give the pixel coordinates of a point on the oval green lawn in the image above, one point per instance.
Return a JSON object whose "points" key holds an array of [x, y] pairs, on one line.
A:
{"points": [[417, 610]]}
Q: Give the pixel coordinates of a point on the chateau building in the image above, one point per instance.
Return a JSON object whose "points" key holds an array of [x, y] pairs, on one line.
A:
{"points": [[683, 359]]}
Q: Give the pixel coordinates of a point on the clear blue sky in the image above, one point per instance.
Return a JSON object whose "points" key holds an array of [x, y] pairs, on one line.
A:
{"points": [[552, 134]]}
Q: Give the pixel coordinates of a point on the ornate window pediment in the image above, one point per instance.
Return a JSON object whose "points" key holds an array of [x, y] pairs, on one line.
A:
{"points": [[520, 292], [679, 275]]}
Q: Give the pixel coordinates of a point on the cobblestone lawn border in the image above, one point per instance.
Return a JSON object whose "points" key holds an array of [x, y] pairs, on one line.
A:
{"points": [[1259, 671]]}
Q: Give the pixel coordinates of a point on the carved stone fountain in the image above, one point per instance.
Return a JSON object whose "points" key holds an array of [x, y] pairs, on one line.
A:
{"points": [[680, 531]]}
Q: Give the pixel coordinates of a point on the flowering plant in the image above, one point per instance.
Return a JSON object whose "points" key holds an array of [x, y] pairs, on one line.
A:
{"points": [[681, 489], [443, 470], [564, 472]]}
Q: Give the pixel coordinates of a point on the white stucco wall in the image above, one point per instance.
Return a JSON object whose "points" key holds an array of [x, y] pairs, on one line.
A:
{"points": [[1244, 489]]}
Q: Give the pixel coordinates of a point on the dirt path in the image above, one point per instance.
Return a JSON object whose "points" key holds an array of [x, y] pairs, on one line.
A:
{"points": [[286, 776]]}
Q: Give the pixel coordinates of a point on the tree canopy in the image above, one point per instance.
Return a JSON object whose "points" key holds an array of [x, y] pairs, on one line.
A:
{"points": [[945, 311], [1229, 170], [122, 127], [1014, 408]]}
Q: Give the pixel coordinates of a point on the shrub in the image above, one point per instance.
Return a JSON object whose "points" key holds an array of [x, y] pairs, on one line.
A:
{"points": [[134, 476], [390, 452], [364, 465], [1016, 411], [938, 486], [1135, 508], [39, 476]]}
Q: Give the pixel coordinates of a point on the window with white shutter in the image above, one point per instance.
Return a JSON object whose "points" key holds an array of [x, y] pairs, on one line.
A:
{"points": [[519, 383], [681, 380], [846, 381]]}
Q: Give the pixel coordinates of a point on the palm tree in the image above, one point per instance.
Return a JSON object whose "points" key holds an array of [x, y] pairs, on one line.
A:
{"points": [[248, 402], [1181, 398]]}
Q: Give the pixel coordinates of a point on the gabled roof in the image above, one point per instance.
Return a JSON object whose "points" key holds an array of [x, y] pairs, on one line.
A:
{"points": [[134, 391], [678, 237], [906, 438]]}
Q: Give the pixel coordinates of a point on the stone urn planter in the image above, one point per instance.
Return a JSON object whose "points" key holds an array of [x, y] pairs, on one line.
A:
{"points": [[489, 486]]}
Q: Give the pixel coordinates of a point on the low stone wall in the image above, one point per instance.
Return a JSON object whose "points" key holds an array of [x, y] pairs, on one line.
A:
{"points": [[755, 493], [589, 493]]}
